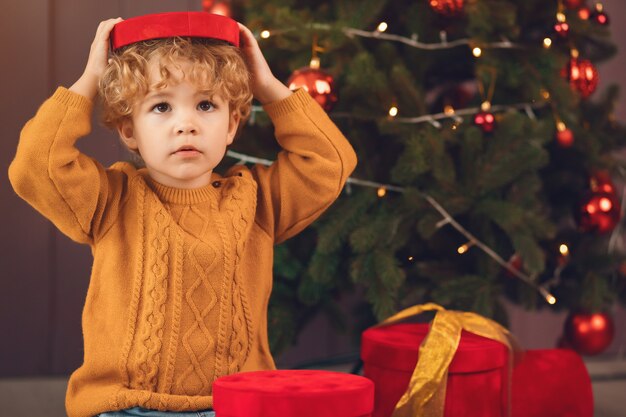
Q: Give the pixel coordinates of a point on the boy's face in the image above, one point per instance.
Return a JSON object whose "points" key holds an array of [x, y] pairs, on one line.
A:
{"points": [[180, 133]]}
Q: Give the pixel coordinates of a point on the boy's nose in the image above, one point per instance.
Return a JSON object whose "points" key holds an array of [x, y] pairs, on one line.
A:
{"points": [[185, 126], [186, 129]]}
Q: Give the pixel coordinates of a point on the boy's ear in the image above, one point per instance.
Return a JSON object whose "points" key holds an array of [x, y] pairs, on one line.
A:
{"points": [[233, 124], [127, 134]]}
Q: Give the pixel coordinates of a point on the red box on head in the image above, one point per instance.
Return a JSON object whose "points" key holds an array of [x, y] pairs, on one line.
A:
{"points": [[167, 25]]}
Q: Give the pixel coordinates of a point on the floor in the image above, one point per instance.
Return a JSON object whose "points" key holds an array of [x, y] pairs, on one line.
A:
{"points": [[44, 397]]}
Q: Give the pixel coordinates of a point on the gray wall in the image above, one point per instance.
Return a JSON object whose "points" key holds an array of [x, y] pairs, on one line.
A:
{"points": [[43, 275]]}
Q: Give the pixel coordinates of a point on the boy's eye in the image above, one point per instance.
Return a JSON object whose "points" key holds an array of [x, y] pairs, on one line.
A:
{"points": [[206, 106], [161, 107]]}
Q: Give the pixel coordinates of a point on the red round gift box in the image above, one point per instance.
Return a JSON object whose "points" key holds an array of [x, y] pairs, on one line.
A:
{"points": [[477, 383], [293, 393], [551, 382]]}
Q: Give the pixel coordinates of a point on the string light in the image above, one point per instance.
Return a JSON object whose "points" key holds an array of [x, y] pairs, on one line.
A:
{"points": [[465, 247], [548, 297], [393, 111], [432, 118], [382, 27], [547, 43], [381, 192], [477, 52], [448, 110], [563, 249], [265, 34], [412, 41]]}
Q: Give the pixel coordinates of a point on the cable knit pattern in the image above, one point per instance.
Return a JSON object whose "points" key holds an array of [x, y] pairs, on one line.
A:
{"points": [[155, 295], [181, 278], [240, 211], [176, 314], [201, 298], [224, 321]]}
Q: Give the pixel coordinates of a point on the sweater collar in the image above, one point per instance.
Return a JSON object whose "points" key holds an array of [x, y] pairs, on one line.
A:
{"points": [[185, 195]]}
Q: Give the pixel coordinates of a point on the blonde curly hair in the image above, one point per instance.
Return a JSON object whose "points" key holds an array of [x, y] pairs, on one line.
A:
{"points": [[215, 67]]}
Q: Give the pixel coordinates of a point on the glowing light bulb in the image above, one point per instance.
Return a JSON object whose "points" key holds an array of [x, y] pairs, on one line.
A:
{"points": [[382, 27], [315, 62], [477, 52], [393, 111], [448, 110], [464, 248], [563, 249], [547, 43], [382, 191], [550, 299], [605, 204], [265, 34]]}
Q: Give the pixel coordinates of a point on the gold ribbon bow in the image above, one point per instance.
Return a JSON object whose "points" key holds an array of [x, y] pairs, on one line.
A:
{"points": [[426, 393]]}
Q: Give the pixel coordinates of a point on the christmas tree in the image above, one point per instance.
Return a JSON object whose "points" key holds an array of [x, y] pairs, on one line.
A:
{"points": [[486, 161]]}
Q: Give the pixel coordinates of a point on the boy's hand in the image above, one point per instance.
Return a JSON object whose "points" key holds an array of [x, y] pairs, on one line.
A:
{"points": [[265, 87], [87, 84]]}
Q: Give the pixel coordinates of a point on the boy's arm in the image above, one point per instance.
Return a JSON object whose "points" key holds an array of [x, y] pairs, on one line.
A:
{"points": [[316, 160], [48, 171], [309, 172]]}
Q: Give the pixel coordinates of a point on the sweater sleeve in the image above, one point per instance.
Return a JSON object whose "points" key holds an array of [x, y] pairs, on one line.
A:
{"points": [[309, 172], [51, 174]]}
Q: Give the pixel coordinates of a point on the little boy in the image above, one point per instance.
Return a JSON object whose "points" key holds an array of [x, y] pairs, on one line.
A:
{"points": [[182, 269]]}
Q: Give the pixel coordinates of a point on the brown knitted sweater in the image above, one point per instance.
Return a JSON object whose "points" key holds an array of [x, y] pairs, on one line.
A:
{"points": [[181, 278]]}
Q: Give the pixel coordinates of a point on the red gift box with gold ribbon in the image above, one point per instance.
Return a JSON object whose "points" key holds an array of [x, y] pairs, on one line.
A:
{"points": [[476, 377], [466, 365]]}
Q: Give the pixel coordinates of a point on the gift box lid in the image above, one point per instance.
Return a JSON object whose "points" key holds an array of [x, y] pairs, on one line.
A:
{"points": [[166, 25], [293, 393], [396, 347]]}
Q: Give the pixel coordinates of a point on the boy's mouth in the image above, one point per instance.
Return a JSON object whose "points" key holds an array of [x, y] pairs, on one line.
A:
{"points": [[187, 150]]}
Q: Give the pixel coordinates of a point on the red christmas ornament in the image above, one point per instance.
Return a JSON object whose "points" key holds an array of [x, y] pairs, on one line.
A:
{"points": [[486, 121], [589, 333], [319, 84], [573, 4], [447, 7], [565, 137], [217, 7], [599, 212], [599, 16], [582, 76]]}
